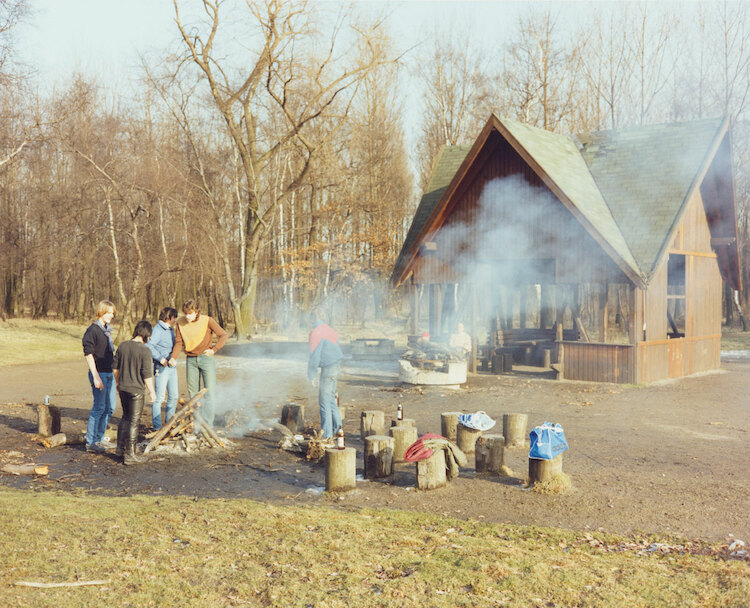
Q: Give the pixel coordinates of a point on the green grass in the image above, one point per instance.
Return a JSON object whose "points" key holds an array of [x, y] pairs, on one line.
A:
{"points": [[29, 341], [177, 551]]}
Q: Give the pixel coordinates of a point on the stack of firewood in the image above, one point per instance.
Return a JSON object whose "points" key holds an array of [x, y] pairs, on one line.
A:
{"points": [[178, 430]]}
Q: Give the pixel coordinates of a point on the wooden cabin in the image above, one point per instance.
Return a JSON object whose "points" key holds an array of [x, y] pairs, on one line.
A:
{"points": [[600, 253]]}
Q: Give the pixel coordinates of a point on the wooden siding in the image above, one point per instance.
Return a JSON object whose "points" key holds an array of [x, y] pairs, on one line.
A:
{"points": [[600, 362], [542, 226], [700, 349]]}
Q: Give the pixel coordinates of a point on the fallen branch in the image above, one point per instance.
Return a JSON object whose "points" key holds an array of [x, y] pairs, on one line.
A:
{"points": [[52, 585], [26, 469]]}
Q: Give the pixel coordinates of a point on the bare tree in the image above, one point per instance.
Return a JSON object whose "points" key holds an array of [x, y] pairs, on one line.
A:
{"points": [[289, 73]]}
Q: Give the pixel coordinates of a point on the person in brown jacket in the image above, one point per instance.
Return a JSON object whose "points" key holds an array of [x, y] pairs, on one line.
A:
{"points": [[195, 333]]}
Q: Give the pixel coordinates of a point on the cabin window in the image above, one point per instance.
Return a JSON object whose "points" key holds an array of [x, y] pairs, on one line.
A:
{"points": [[676, 296]]}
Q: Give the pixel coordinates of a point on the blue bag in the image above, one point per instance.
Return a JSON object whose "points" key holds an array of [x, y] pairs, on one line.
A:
{"points": [[547, 441]]}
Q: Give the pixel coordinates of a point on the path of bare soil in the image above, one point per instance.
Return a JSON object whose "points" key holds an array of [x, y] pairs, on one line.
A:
{"points": [[671, 458]]}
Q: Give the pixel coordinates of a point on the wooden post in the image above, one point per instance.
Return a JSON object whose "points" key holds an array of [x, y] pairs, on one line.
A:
{"points": [[603, 311], [403, 437], [341, 469], [546, 357], [414, 301], [449, 425], [404, 422], [293, 417], [467, 439], [547, 311], [523, 312], [490, 452], [378, 456], [371, 422], [48, 420], [431, 471], [544, 470], [514, 430], [473, 361]]}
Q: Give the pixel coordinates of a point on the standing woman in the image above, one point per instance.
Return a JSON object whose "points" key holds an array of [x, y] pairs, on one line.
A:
{"points": [[134, 372], [98, 348], [196, 332]]}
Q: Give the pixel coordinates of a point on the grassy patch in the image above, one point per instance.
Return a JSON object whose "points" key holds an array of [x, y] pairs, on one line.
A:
{"points": [[28, 341], [164, 551]]}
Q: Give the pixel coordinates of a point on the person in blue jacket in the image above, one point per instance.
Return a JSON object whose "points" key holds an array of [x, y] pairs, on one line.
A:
{"points": [[161, 345], [326, 355]]}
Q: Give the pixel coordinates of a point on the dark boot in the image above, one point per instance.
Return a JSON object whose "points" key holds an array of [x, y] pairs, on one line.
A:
{"points": [[130, 457], [121, 439]]}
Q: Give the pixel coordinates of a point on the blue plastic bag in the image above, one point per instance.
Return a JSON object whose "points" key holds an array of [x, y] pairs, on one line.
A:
{"points": [[479, 421], [547, 441]]}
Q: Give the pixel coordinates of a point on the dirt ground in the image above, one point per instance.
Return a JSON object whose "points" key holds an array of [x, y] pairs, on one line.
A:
{"points": [[670, 458]]}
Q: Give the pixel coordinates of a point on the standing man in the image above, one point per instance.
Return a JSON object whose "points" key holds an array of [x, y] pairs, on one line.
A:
{"points": [[99, 350], [161, 346], [196, 332], [326, 355]]}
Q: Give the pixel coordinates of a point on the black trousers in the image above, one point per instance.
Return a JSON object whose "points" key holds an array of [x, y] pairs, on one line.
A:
{"points": [[132, 408]]}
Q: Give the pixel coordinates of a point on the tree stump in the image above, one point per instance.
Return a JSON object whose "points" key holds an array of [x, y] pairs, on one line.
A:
{"points": [[48, 420], [378, 456], [403, 437], [371, 422], [341, 469], [544, 470], [514, 430], [466, 439], [489, 454], [404, 422], [431, 471], [293, 417], [449, 425]]}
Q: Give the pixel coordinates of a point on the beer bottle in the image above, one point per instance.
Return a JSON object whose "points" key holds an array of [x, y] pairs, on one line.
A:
{"points": [[400, 412], [340, 439]]}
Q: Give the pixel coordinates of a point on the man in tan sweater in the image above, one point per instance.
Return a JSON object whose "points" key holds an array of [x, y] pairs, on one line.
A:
{"points": [[195, 333]]}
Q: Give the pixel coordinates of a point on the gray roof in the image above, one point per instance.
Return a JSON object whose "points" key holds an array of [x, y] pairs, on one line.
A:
{"points": [[448, 161], [627, 187], [645, 175]]}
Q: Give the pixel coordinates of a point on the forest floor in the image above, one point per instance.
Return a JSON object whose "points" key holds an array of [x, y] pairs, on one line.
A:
{"points": [[668, 458]]}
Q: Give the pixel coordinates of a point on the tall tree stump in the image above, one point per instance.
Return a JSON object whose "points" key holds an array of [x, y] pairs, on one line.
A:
{"points": [[403, 437], [48, 420], [489, 454], [378, 456], [514, 430], [371, 422], [544, 470], [293, 417], [466, 439], [404, 422], [431, 471], [449, 425], [341, 469]]}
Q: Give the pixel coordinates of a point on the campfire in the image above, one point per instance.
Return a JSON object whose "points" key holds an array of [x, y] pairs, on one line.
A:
{"points": [[178, 432], [427, 362]]}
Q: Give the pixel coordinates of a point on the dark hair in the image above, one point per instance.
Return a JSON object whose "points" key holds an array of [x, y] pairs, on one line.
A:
{"points": [[142, 330], [167, 313]]}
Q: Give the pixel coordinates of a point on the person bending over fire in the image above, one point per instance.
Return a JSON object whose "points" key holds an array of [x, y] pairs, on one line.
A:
{"points": [[196, 332], [326, 355]]}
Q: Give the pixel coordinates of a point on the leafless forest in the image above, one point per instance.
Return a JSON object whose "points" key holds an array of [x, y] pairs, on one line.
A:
{"points": [[264, 164]]}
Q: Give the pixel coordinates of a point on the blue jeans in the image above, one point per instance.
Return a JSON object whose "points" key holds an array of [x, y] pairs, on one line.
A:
{"points": [[105, 400], [202, 370], [330, 419], [165, 382]]}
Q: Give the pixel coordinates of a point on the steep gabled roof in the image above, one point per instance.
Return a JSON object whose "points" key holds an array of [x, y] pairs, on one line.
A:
{"points": [[628, 188], [647, 174], [445, 167]]}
